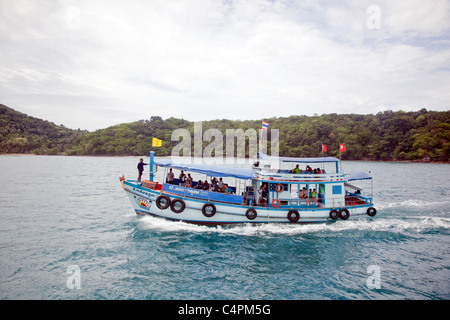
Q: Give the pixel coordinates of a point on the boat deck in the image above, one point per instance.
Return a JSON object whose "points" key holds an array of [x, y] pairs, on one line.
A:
{"points": [[351, 200]]}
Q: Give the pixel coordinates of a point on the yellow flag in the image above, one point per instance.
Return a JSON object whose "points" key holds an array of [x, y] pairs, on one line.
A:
{"points": [[156, 142]]}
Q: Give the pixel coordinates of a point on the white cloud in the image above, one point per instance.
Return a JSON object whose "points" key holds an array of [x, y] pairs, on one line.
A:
{"points": [[112, 61]]}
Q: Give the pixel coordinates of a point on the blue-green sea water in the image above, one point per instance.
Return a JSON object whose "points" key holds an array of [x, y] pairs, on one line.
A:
{"points": [[67, 231]]}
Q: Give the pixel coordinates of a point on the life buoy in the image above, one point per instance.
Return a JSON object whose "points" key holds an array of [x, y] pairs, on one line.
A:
{"points": [[371, 211], [163, 202], [344, 214], [293, 216], [209, 210], [276, 203], [279, 188], [334, 214], [251, 214], [178, 205]]}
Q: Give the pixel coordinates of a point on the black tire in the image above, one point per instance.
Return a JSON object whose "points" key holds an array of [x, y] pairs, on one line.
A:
{"points": [[293, 216], [209, 212], [178, 205], [251, 214], [163, 202], [371, 211], [344, 214], [334, 214]]}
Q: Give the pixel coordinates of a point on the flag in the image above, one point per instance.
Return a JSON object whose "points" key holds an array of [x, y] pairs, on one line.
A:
{"points": [[265, 125], [324, 148], [342, 148], [156, 142]]}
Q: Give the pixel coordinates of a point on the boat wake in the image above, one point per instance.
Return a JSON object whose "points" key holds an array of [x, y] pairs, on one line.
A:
{"points": [[419, 224], [413, 203]]}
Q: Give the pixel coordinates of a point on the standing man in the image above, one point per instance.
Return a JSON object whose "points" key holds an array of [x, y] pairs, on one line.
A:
{"points": [[140, 167], [170, 175]]}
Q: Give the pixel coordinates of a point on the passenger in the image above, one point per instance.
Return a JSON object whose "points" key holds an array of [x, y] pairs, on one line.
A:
{"points": [[309, 199], [295, 170], [170, 176], [264, 194], [140, 168], [303, 194], [182, 178], [227, 190], [220, 184], [308, 169], [319, 171], [214, 184], [189, 181], [313, 199], [206, 185], [199, 185]]}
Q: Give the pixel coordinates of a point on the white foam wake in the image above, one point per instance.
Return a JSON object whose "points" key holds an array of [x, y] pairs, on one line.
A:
{"points": [[415, 224], [413, 203]]}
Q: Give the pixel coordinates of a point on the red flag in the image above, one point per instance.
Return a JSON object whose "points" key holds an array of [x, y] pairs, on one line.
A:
{"points": [[342, 148], [324, 148]]}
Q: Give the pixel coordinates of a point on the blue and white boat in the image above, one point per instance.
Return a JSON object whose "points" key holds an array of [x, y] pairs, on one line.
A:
{"points": [[329, 195]]}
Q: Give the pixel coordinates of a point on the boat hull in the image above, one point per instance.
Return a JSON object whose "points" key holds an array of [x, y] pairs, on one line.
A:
{"points": [[144, 201]]}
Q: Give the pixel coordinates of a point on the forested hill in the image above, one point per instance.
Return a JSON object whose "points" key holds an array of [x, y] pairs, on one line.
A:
{"points": [[20, 133], [422, 135]]}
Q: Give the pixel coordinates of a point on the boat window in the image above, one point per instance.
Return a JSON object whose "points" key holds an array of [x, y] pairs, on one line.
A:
{"points": [[337, 189]]}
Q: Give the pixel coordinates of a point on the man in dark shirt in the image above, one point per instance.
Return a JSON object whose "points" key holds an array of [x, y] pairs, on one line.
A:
{"points": [[140, 167]]}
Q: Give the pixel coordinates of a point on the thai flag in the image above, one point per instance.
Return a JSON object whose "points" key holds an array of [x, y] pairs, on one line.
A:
{"points": [[265, 125]]}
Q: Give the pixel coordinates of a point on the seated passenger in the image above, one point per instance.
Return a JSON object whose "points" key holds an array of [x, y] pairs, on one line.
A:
{"points": [[199, 185], [227, 190], [206, 185], [295, 170]]}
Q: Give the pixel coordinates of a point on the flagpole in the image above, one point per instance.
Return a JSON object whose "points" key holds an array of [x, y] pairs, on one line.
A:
{"points": [[151, 166]]}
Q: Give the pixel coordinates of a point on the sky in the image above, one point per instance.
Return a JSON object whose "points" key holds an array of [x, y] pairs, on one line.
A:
{"points": [[91, 64]]}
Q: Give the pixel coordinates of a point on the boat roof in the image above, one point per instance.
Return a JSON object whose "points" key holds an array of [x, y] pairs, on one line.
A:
{"points": [[360, 175], [208, 169], [242, 173], [263, 156]]}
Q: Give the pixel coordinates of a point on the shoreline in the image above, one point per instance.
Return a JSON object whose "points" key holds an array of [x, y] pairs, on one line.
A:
{"points": [[140, 156]]}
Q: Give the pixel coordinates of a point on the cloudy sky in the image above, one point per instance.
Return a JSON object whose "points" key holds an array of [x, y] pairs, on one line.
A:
{"points": [[91, 64]]}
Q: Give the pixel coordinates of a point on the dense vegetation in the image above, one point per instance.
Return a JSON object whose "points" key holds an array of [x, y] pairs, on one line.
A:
{"points": [[422, 135]]}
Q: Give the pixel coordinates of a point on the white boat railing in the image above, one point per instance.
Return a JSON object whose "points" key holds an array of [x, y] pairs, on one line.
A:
{"points": [[293, 177]]}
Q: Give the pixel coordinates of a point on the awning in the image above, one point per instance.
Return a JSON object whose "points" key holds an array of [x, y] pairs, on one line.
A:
{"points": [[208, 169], [263, 156], [361, 175]]}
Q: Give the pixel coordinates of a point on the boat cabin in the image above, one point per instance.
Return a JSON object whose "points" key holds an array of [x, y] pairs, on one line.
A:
{"points": [[273, 182]]}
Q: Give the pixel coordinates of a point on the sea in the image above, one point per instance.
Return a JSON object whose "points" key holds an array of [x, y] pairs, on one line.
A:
{"points": [[68, 232]]}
